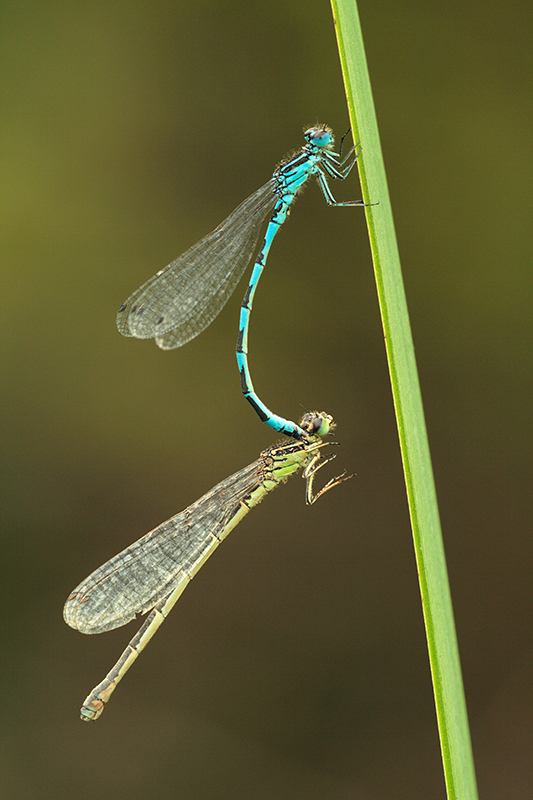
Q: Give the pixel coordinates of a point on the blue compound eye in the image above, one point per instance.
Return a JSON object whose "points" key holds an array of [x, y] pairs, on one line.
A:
{"points": [[320, 137]]}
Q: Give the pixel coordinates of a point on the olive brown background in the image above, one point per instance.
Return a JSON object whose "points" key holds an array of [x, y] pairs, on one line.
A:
{"points": [[295, 665]]}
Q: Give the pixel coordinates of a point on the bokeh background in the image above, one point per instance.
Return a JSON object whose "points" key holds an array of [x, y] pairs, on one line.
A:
{"points": [[295, 665]]}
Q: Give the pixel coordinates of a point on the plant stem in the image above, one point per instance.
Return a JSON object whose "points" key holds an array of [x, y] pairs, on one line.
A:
{"points": [[429, 549]]}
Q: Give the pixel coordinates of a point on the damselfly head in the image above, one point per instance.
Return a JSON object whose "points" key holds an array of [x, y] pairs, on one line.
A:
{"points": [[317, 423], [320, 136]]}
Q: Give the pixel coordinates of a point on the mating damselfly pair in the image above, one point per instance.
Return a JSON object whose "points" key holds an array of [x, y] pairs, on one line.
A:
{"points": [[173, 307]]}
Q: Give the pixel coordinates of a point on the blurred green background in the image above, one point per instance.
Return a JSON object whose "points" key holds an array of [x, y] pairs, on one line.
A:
{"points": [[295, 665]]}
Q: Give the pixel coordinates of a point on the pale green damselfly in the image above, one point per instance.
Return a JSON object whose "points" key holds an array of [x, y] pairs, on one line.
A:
{"points": [[151, 574]]}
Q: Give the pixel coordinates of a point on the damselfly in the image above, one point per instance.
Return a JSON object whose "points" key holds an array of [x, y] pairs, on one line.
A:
{"points": [[151, 574], [185, 297]]}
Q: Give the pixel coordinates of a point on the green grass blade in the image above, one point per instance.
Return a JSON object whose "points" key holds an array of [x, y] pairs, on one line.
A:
{"points": [[436, 600]]}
